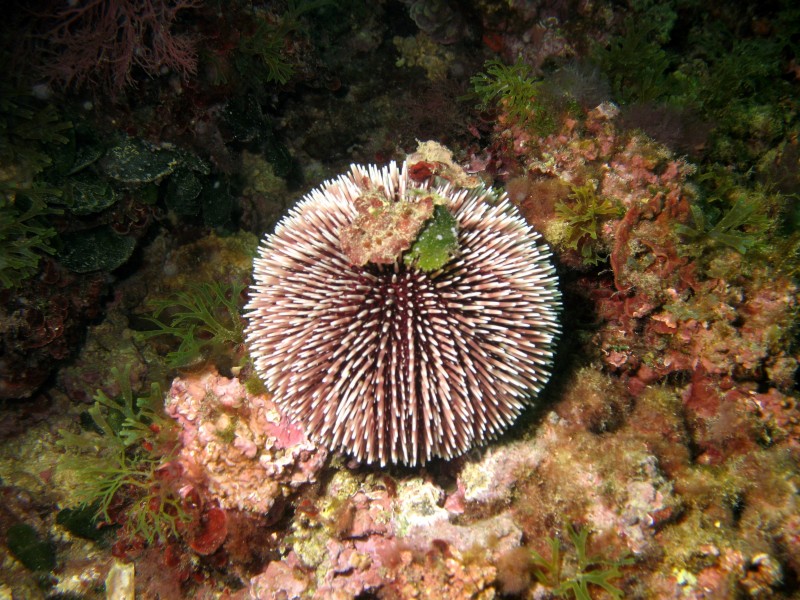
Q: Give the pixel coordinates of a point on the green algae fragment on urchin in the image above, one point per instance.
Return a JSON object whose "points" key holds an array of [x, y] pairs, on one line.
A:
{"points": [[436, 244]]}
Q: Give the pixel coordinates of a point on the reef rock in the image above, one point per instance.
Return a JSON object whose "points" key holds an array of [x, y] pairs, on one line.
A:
{"points": [[236, 445]]}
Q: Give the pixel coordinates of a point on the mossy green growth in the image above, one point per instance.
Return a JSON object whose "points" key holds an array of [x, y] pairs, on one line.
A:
{"points": [[121, 462], [740, 227], [582, 217], [205, 320], [82, 521], [517, 92], [715, 70], [29, 548], [254, 385], [588, 571], [30, 133], [635, 62], [436, 243], [260, 56], [262, 53], [731, 213], [24, 238]]}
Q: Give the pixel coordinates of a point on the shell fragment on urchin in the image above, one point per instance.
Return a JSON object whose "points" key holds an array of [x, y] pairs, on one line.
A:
{"points": [[386, 361]]}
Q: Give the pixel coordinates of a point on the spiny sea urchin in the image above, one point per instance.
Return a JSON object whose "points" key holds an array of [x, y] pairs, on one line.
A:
{"points": [[388, 361]]}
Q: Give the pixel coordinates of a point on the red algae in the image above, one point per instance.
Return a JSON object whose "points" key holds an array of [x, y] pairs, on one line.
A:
{"points": [[235, 446], [383, 227]]}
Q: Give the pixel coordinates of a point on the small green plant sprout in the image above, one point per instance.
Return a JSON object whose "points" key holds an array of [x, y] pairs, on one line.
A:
{"points": [[730, 216], [725, 232], [205, 320], [740, 228], [262, 52], [24, 238], [124, 463], [31, 134], [587, 572], [582, 216], [516, 91], [636, 63]]}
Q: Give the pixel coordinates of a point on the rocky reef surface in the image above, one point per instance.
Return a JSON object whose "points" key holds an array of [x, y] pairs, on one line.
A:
{"points": [[653, 146]]}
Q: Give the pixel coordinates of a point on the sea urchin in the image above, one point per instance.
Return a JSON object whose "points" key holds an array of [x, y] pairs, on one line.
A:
{"points": [[390, 362]]}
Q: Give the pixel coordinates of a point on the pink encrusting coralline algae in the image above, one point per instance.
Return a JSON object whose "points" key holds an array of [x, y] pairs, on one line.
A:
{"points": [[236, 446]]}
